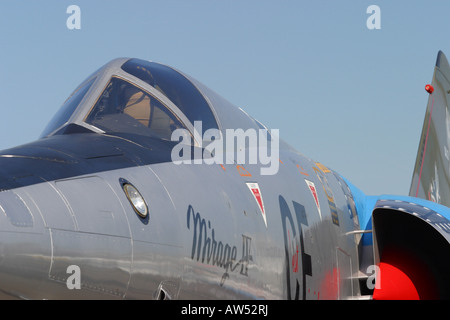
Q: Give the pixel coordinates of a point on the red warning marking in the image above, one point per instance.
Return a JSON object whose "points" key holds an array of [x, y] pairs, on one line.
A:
{"points": [[312, 188], [223, 167], [254, 188]]}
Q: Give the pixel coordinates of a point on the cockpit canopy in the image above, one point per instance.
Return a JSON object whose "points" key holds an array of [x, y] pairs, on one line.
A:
{"points": [[124, 107], [135, 96]]}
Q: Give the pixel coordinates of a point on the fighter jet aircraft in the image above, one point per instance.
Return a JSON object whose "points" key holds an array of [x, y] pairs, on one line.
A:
{"points": [[135, 190]]}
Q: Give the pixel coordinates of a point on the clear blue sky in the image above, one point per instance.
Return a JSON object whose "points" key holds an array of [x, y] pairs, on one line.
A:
{"points": [[344, 95]]}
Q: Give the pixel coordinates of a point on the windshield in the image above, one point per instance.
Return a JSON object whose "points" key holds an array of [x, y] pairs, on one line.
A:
{"points": [[126, 108]]}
